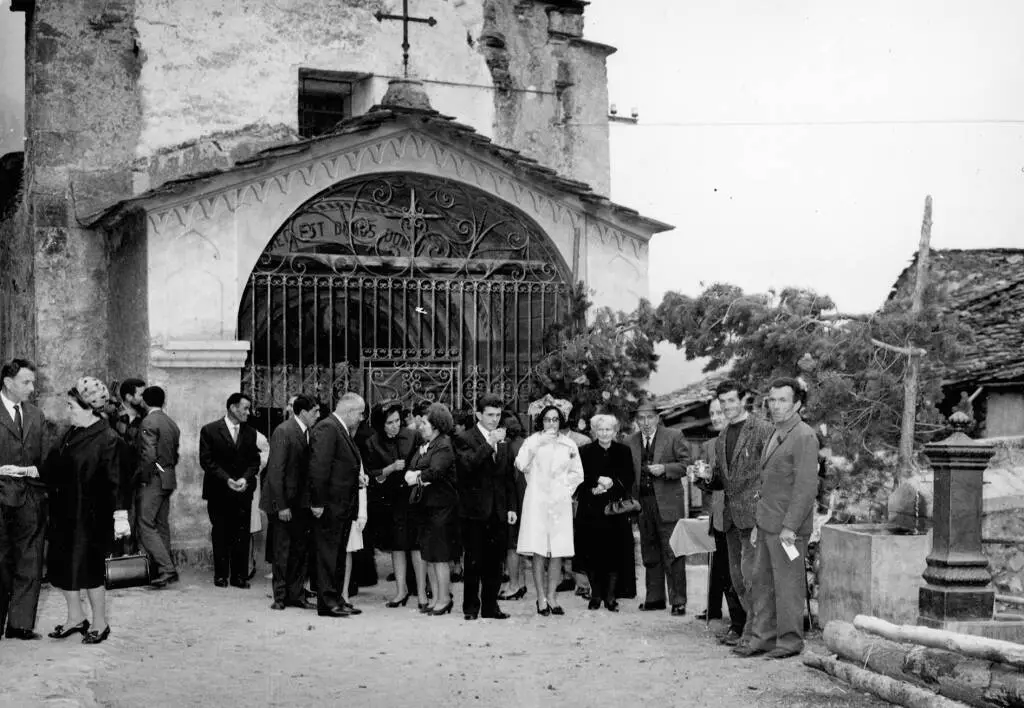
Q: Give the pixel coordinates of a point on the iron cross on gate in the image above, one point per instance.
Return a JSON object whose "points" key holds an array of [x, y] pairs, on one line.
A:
{"points": [[406, 19]]}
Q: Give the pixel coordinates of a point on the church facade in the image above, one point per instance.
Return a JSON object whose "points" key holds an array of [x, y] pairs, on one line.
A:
{"points": [[228, 195]]}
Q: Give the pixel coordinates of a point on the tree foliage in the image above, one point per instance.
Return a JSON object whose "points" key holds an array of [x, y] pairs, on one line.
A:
{"points": [[855, 381], [598, 360]]}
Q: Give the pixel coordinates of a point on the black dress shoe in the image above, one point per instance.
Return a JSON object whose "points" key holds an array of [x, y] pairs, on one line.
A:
{"points": [[469, 616], [301, 604], [746, 651], [705, 616], [240, 583], [62, 632], [612, 606], [220, 582], [13, 633], [594, 604], [158, 583], [352, 609], [172, 577], [495, 614], [278, 605], [650, 606], [334, 612], [730, 638], [678, 610], [94, 637]]}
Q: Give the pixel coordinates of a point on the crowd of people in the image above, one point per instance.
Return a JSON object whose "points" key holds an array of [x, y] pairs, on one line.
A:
{"points": [[435, 490]]}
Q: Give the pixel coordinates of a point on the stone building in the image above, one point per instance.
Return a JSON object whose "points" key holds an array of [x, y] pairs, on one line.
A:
{"points": [[985, 287], [218, 194]]}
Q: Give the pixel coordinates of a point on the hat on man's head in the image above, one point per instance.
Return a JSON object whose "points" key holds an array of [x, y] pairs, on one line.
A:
{"points": [[647, 406], [93, 392]]}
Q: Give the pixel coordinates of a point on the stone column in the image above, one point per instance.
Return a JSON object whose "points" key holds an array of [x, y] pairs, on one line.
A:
{"points": [[198, 377], [958, 583]]}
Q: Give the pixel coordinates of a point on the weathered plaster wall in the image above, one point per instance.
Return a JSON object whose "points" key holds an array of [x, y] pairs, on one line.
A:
{"points": [[552, 88], [83, 122], [616, 267], [221, 65], [127, 306]]}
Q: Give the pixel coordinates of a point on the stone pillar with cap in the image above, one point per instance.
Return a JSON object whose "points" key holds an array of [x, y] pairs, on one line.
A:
{"points": [[958, 586]]}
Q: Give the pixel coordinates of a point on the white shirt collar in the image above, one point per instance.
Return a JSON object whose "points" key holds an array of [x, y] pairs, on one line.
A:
{"points": [[151, 409], [8, 404], [484, 431], [231, 423], [302, 426]]}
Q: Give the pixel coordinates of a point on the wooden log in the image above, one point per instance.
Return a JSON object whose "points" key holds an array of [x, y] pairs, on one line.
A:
{"points": [[967, 644], [888, 689], [976, 682]]}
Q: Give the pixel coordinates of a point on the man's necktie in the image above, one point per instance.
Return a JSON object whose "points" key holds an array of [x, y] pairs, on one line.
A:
{"points": [[234, 434], [17, 420], [773, 443]]}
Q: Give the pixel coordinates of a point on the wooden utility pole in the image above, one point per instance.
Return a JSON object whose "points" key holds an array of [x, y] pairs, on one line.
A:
{"points": [[910, 380]]}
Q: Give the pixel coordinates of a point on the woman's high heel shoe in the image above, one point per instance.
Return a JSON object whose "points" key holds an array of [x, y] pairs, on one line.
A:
{"points": [[517, 595], [546, 611], [94, 637], [442, 610], [62, 632], [424, 607], [398, 603]]}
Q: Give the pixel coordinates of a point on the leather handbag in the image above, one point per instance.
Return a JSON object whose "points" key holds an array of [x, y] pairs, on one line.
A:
{"points": [[627, 505], [416, 495], [126, 571]]}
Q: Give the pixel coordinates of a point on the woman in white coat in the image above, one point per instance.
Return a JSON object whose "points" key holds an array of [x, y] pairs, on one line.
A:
{"points": [[550, 463]]}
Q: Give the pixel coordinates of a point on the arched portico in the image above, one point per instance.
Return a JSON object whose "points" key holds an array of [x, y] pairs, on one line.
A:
{"points": [[404, 286]]}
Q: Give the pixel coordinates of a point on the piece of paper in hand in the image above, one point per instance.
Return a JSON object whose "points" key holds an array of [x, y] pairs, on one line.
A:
{"points": [[791, 551]]}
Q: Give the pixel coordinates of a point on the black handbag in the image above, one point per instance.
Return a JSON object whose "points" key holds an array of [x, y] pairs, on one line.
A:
{"points": [[126, 571], [627, 505], [416, 495]]}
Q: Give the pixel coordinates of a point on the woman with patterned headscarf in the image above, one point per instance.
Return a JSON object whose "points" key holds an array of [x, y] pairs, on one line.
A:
{"points": [[87, 510]]}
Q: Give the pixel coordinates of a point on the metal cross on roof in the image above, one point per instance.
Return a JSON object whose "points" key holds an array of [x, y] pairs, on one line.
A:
{"points": [[406, 19]]}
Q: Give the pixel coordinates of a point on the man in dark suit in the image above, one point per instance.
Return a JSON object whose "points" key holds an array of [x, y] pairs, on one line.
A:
{"points": [[22, 501], [127, 423], [286, 502], [156, 481], [335, 473], [737, 472], [230, 461], [660, 456], [785, 519], [487, 504]]}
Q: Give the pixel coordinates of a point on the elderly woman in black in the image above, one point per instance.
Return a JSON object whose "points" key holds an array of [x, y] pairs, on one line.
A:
{"points": [[604, 543], [431, 476], [389, 451], [87, 510]]}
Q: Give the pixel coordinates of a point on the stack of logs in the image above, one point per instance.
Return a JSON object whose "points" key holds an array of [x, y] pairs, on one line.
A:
{"points": [[921, 667]]}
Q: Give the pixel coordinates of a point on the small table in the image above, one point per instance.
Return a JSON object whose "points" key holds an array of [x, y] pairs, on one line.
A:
{"points": [[690, 538]]}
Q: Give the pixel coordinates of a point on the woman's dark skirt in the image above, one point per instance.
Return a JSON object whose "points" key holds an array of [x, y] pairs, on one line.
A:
{"points": [[77, 552], [439, 534]]}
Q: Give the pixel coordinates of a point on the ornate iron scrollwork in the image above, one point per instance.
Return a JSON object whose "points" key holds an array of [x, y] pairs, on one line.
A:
{"points": [[412, 225]]}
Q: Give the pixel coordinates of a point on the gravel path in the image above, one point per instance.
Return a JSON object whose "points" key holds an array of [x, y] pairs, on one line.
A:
{"points": [[197, 645]]}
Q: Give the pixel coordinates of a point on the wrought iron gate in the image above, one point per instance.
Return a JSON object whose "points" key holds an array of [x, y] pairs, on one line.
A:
{"points": [[401, 287]]}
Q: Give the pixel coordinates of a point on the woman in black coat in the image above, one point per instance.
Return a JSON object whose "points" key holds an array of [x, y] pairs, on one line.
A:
{"points": [[393, 528], [604, 543], [432, 477], [87, 510]]}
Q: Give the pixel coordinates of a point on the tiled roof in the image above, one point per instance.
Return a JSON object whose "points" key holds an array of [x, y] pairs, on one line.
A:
{"points": [[427, 120], [686, 397], [986, 287]]}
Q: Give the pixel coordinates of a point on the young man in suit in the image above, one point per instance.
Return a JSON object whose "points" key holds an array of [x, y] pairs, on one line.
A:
{"points": [[127, 423], [22, 501], [487, 505], [660, 456], [286, 502], [156, 481], [785, 518], [231, 462], [737, 472], [335, 473]]}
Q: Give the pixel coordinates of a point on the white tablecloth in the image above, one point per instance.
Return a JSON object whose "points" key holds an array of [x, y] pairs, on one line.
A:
{"points": [[690, 537]]}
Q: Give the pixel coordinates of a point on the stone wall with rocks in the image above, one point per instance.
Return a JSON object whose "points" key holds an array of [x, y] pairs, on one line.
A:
{"points": [[1002, 529]]}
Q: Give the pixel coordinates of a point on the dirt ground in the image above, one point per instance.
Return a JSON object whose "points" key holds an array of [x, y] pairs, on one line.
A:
{"points": [[197, 645]]}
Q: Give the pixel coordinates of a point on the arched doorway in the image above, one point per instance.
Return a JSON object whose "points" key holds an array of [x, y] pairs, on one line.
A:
{"points": [[401, 286]]}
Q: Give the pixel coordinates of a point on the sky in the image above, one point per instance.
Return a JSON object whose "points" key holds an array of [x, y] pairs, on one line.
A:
{"points": [[792, 142]]}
